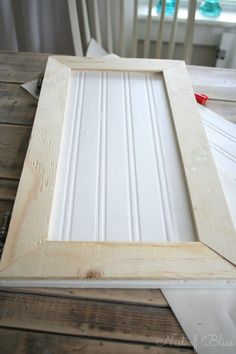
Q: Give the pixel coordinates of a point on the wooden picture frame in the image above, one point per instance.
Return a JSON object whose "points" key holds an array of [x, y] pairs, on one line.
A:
{"points": [[30, 258]]}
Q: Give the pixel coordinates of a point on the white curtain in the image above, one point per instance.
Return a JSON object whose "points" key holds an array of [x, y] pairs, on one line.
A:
{"points": [[44, 25], [35, 25]]}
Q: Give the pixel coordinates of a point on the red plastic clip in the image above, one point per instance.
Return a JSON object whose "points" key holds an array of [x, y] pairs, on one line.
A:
{"points": [[201, 98]]}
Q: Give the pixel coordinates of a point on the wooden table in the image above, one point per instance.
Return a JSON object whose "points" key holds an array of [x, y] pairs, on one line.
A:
{"points": [[80, 320]]}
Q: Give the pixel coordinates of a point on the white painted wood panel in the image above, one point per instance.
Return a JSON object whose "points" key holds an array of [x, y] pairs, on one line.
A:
{"points": [[221, 136], [119, 176], [222, 139]]}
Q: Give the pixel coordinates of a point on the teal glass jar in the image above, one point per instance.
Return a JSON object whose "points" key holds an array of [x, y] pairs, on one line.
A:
{"points": [[170, 7], [210, 8]]}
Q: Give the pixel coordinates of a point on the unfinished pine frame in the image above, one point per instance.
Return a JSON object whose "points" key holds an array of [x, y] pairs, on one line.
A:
{"points": [[30, 258]]}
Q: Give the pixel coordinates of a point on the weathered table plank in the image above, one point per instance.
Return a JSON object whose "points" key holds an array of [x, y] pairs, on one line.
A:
{"points": [[215, 82], [21, 67], [93, 318], [8, 189], [25, 342], [17, 106], [218, 84], [5, 206], [14, 143], [151, 297]]}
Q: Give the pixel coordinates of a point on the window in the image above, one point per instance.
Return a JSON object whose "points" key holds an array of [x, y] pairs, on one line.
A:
{"points": [[226, 4], [227, 18]]}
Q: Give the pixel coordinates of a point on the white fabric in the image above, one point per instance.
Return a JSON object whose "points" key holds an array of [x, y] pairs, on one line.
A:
{"points": [[35, 25], [44, 25]]}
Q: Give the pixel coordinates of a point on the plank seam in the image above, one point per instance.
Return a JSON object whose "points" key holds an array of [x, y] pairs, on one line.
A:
{"points": [[107, 339], [83, 298]]}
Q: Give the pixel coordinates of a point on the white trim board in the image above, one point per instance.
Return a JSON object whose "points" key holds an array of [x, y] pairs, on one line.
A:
{"points": [[121, 284]]}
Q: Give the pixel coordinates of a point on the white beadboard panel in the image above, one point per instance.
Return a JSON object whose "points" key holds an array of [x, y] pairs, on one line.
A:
{"points": [[119, 175], [222, 139]]}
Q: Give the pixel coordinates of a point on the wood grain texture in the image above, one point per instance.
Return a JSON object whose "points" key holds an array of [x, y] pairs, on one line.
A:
{"points": [[21, 67], [38, 177], [8, 189], [25, 342], [17, 106], [5, 206], [90, 317], [13, 147], [128, 265], [110, 63], [217, 83], [151, 297]]}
